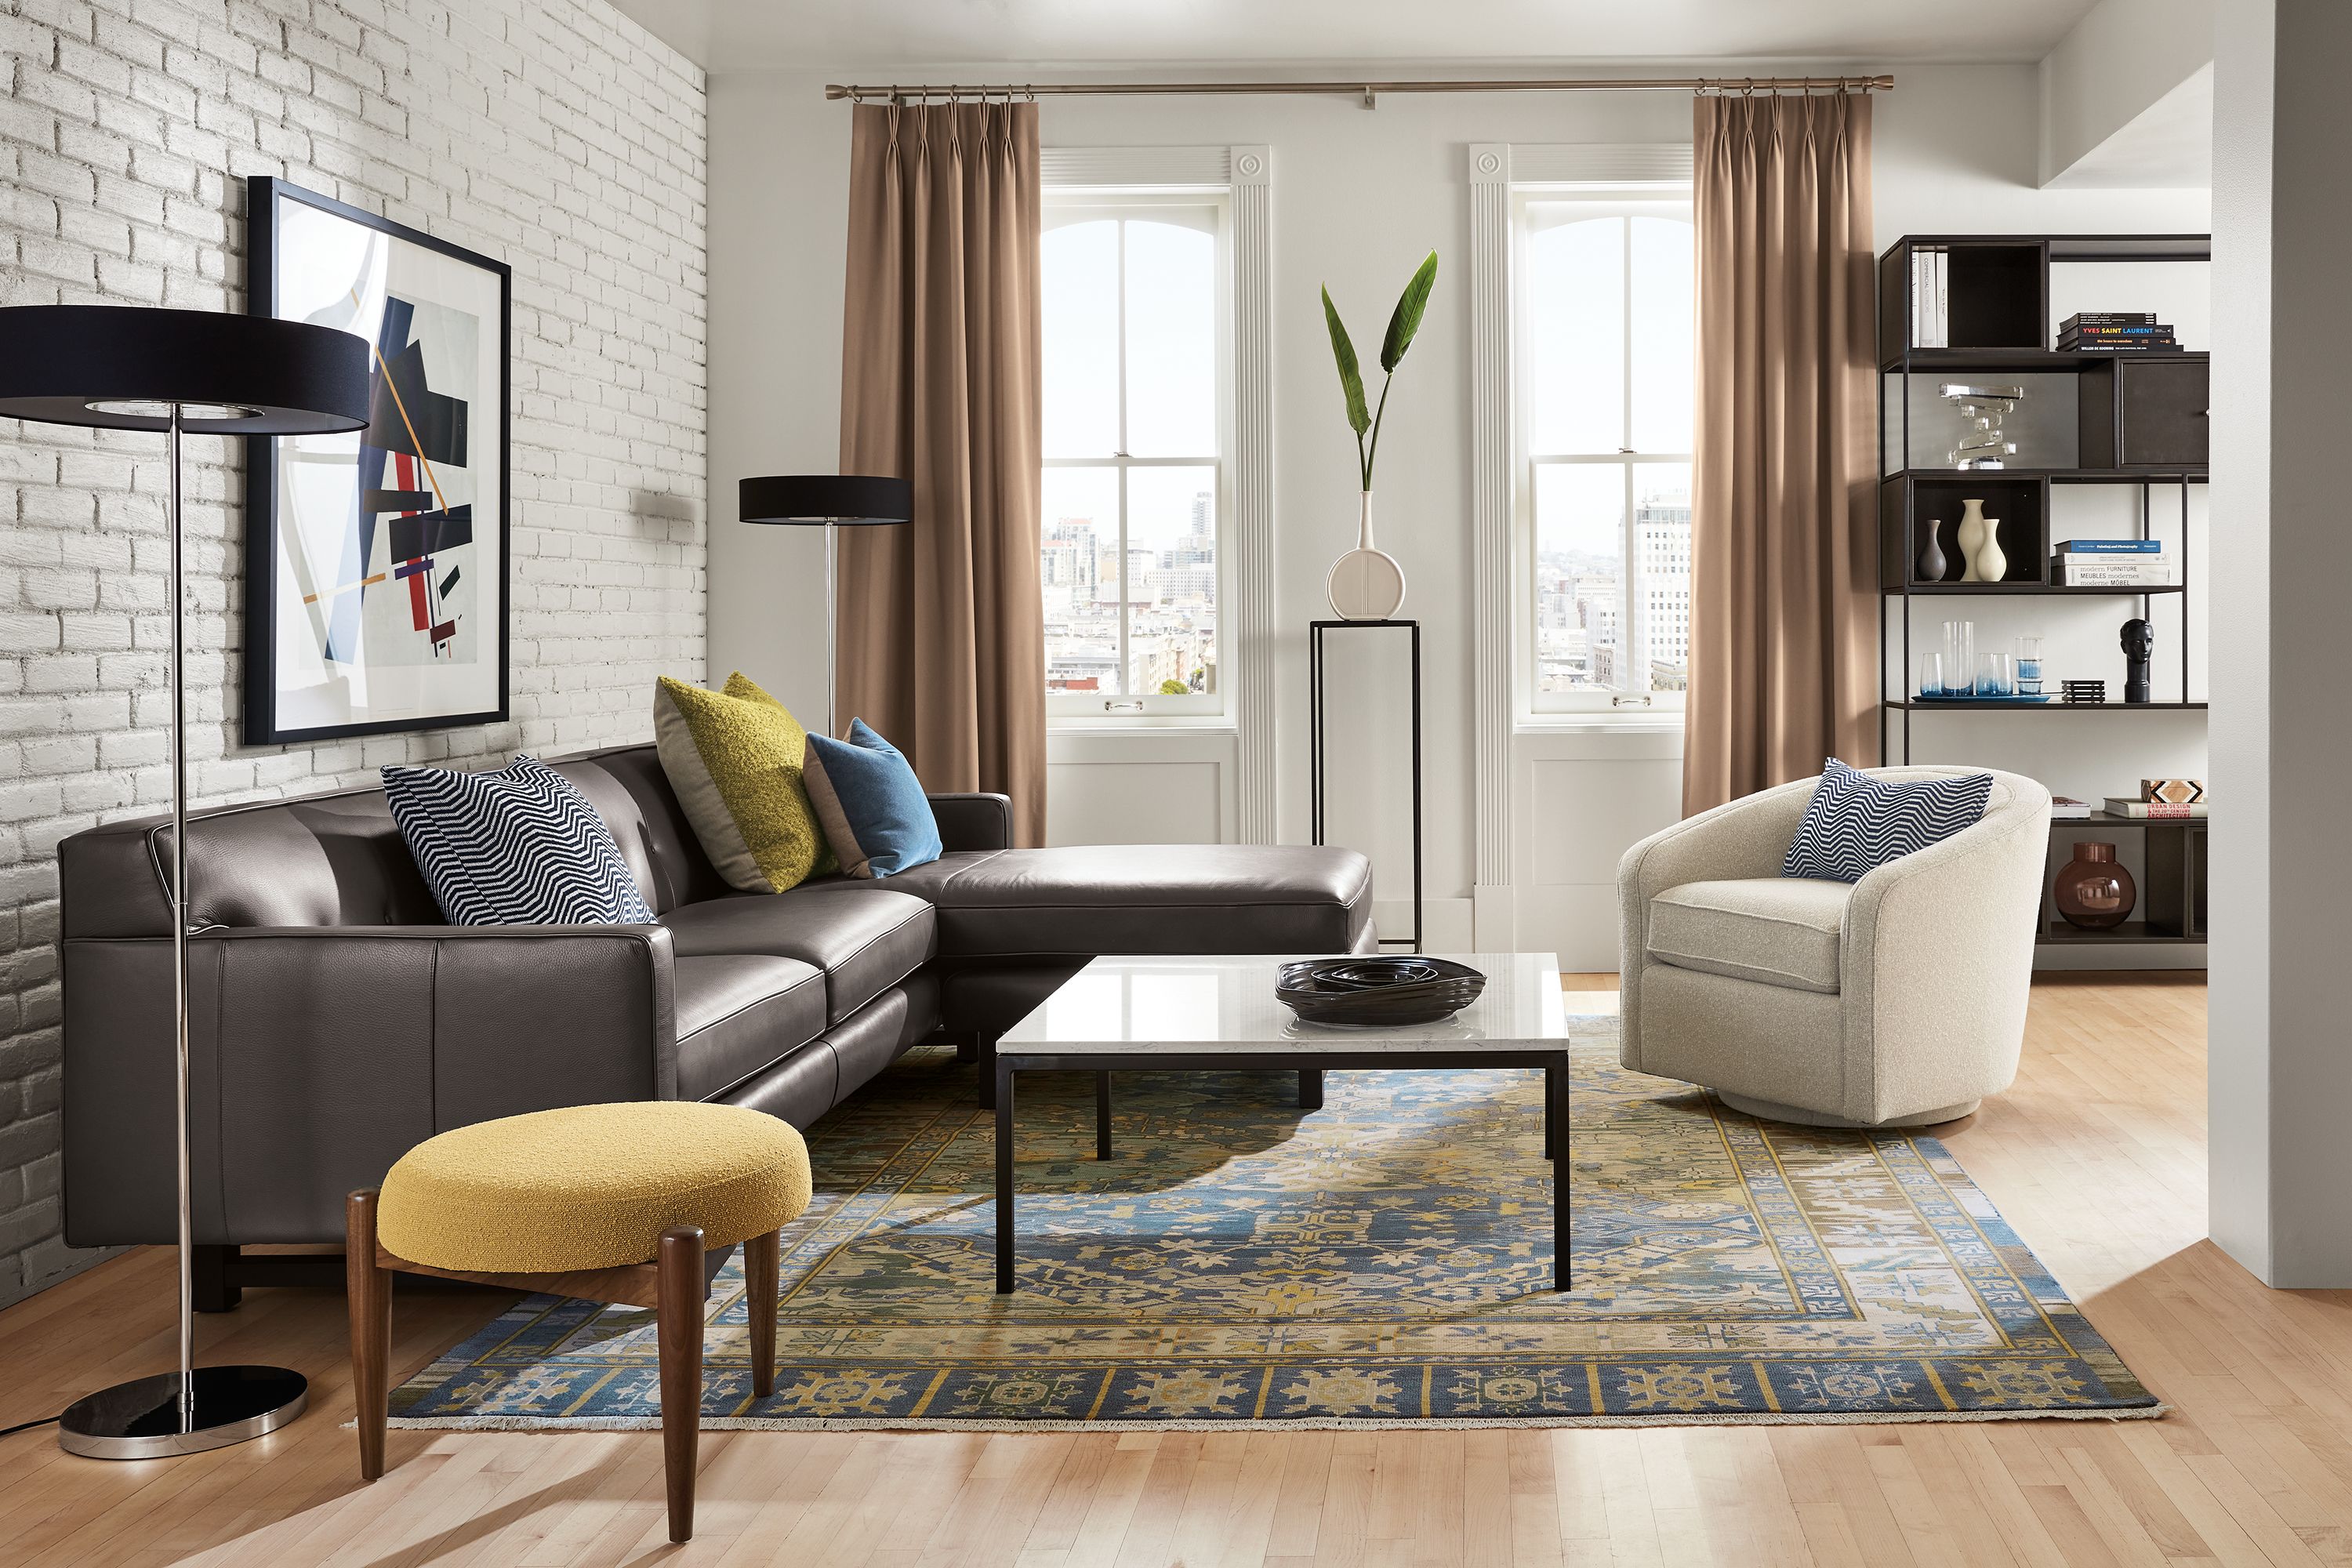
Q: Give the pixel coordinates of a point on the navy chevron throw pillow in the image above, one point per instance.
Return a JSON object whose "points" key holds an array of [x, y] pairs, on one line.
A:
{"points": [[517, 846], [1856, 822]]}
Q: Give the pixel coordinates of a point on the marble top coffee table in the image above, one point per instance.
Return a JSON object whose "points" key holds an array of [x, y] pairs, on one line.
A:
{"points": [[1218, 1014]]}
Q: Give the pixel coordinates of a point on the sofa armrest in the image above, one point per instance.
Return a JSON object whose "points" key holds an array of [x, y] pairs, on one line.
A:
{"points": [[1746, 837], [974, 821], [322, 1054], [1937, 959]]}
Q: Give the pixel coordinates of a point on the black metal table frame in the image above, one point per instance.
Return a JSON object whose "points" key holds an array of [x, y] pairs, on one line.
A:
{"points": [[1315, 630], [1552, 1059]]}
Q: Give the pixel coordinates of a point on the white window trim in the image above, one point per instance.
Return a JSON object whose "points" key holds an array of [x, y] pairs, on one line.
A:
{"points": [[1532, 706], [1245, 631], [1498, 669]]}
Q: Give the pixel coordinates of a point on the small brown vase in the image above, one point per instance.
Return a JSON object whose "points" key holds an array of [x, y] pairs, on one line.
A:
{"points": [[2093, 891]]}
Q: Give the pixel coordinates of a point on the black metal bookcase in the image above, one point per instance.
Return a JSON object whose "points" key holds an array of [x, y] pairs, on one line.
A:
{"points": [[2141, 422]]}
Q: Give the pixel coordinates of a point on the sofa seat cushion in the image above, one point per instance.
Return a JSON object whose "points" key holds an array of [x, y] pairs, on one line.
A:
{"points": [[866, 939], [738, 1013], [1776, 931], [1079, 900]]}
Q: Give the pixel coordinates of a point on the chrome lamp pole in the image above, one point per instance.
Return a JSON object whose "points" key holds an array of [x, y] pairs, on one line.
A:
{"points": [[180, 372], [806, 501]]}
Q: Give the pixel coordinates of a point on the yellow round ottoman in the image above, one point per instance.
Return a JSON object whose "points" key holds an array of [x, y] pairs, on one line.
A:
{"points": [[611, 1203]]}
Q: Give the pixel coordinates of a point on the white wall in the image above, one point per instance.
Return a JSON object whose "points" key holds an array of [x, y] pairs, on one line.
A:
{"points": [[2123, 59], [560, 139], [2238, 1074], [1358, 197], [2280, 1075]]}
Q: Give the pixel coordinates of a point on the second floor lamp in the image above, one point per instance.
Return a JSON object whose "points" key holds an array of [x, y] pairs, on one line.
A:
{"points": [[827, 500]]}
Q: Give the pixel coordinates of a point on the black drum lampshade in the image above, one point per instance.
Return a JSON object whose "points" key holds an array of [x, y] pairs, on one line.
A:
{"points": [[120, 367], [813, 499]]}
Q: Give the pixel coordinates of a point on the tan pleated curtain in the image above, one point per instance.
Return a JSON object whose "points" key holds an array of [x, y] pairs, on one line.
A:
{"points": [[1784, 613], [942, 623]]}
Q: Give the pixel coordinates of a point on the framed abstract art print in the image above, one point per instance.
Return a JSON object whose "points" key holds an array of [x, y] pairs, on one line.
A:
{"points": [[376, 562]]}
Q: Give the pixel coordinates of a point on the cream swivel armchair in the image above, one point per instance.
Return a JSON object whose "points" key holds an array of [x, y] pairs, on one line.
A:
{"points": [[1896, 1001]]}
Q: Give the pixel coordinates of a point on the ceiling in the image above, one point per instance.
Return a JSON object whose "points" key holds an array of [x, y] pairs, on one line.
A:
{"points": [[829, 35]]}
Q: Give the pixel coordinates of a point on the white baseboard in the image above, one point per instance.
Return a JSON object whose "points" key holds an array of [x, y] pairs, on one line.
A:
{"points": [[2124, 955]]}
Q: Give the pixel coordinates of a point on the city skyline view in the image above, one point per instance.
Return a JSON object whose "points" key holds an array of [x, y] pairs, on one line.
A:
{"points": [[1127, 561]]}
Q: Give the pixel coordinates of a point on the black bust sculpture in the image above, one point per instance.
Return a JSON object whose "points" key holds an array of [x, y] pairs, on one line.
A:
{"points": [[2140, 647]]}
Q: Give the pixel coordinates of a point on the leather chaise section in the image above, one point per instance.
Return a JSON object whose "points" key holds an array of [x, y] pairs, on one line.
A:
{"points": [[1080, 901]]}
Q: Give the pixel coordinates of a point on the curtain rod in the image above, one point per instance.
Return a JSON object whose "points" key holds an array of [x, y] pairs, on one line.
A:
{"points": [[1370, 90]]}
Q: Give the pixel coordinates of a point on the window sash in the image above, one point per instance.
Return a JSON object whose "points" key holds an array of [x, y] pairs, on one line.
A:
{"points": [[1073, 206], [1535, 210]]}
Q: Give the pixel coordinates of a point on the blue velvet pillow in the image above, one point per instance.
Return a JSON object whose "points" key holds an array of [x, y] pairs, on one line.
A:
{"points": [[1855, 824], [517, 846], [871, 805]]}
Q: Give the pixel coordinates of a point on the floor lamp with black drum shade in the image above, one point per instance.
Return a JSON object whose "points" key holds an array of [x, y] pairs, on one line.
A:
{"points": [[829, 501], [180, 372]]}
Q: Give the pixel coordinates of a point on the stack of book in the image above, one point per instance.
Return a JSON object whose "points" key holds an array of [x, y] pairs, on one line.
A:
{"points": [[2066, 808], [2113, 564], [2114, 331], [2084, 691], [2155, 810], [2162, 800], [1931, 324]]}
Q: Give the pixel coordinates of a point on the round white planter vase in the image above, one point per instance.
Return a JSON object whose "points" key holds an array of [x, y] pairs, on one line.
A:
{"points": [[1366, 584]]}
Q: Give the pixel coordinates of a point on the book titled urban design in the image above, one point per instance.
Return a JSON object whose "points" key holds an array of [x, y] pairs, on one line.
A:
{"points": [[2154, 810]]}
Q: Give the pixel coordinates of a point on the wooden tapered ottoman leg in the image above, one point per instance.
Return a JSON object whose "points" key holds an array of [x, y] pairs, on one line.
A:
{"points": [[763, 1258], [368, 1289], [677, 1317]]}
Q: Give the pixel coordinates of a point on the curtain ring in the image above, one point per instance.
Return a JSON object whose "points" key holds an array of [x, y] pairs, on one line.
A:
{"points": [[1748, 86]]}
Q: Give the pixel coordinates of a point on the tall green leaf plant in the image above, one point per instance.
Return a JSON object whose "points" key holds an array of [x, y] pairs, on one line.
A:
{"points": [[1403, 323]]}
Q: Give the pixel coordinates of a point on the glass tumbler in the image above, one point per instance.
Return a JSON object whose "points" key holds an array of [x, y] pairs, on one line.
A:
{"points": [[1931, 675], [1996, 675], [2028, 667]]}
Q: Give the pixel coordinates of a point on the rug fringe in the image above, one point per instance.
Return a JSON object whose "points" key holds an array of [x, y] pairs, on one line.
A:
{"points": [[1303, 1424]]}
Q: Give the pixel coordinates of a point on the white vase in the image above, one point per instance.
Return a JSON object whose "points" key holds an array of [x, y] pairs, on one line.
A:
{"points": [[1365, 583], [1972, 538], [1992, 565]]}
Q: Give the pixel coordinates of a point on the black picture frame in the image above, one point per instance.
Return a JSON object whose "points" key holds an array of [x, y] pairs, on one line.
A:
{"points": [[263, 724]]}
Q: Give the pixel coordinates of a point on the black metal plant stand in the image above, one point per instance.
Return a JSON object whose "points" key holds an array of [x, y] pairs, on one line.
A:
{"points": [[1315, 630]]}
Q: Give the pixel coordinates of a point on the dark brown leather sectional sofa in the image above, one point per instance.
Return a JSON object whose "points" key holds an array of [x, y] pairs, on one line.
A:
{"points": [[337, 1022]]}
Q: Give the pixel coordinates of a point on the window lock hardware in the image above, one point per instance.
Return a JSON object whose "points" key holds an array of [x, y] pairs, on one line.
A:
{"points": [[1134, 707], [1621, 700]]}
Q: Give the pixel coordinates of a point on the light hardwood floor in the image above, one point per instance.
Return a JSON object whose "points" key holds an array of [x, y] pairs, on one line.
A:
{"points": [[2097, 1156]]}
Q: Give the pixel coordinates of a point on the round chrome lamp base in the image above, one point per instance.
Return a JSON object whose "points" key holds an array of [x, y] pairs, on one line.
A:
{"points": [[141, 1419]]}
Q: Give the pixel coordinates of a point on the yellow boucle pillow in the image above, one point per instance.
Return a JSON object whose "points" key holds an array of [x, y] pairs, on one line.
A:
{"points": [[734, 758]]}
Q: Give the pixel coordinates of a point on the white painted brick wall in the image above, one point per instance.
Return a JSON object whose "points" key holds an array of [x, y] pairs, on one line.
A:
{"points": [[554, 134]]}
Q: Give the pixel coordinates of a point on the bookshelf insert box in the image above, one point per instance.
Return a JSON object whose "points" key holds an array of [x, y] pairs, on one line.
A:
{"points": [[1996, 293], [2019, 500]]}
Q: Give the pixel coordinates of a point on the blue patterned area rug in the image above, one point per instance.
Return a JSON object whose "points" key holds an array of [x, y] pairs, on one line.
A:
{"points": [[1382, 1262]]}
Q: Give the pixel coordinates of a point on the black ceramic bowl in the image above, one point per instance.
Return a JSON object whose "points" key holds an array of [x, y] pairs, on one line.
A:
{"points": [[1377, 992]]}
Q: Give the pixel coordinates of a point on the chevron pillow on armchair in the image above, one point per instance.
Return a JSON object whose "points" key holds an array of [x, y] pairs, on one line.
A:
{"points": [[1855, 824], [517, 846]]}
